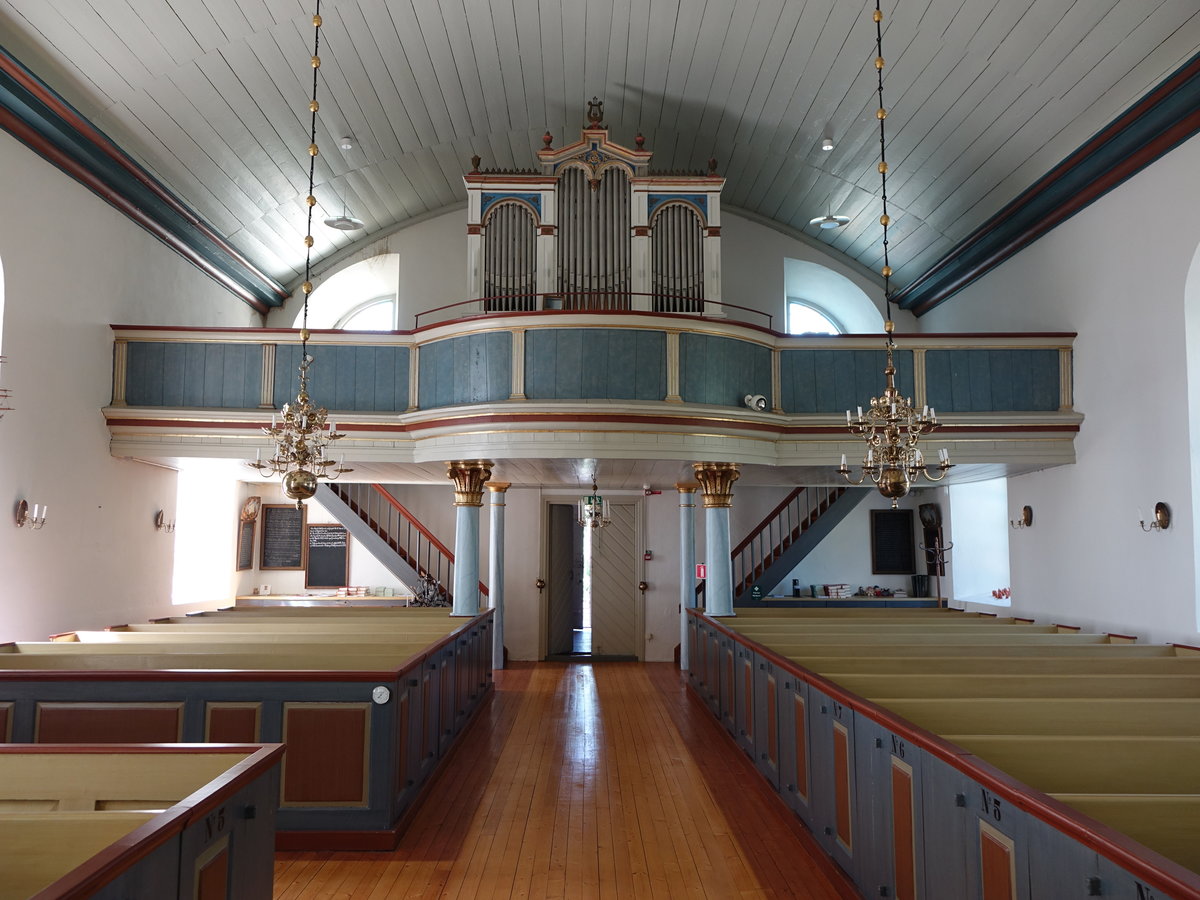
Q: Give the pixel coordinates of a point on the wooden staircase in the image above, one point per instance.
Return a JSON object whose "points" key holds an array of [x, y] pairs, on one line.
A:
{"points": [[788, 534], [395, 537]]}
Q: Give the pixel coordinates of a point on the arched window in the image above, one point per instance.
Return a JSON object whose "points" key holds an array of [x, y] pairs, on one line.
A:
{"points": [[374, 315], [804, 318]]}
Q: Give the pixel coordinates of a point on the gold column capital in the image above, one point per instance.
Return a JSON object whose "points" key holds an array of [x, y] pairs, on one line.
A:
{"points": [[469, 476], [717, 478], [498, 487], [687, 487]]}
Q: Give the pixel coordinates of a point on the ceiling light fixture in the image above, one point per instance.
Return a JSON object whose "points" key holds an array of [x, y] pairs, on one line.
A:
{"points": [[300, 438], [344, 222], [891, 427], [829, 220], [346, 142], [594, 511], [827, 143]]}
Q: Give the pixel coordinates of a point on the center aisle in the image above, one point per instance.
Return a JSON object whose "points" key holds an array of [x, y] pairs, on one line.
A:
{"points": [[585, 781]]}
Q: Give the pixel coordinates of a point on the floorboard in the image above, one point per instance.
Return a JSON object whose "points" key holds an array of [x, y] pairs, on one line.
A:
{"points": [[586, 781]]}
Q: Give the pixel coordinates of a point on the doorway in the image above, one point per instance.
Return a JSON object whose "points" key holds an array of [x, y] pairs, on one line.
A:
{"points": [[593, 605]]}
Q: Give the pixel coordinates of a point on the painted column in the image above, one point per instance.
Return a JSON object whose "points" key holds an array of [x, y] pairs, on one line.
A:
{"points": [[468, 477], [496, 570], [687, 562], [717, 480]]}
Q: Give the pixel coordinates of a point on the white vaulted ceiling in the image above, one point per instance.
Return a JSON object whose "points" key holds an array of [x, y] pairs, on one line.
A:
{"points": [[984, 97]]}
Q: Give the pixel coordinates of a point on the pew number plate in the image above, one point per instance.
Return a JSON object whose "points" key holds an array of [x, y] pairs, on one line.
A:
{"points": [[381, 695]]}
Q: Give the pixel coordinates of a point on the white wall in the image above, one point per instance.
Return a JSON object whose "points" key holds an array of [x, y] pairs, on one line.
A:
{"points": [[1117, 273], [72, 266], [433, 268]]}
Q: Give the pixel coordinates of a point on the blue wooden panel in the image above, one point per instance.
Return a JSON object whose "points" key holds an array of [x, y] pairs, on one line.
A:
{"points": [[984, 380], [143, 373], [568, 374], [475, 368], [651, 370], [172, 378], [1000, 365], [832, 381], [937, 379], [981, 380], [193, 374], [1044, 369], [722, 371], [345, 378], [595, 364]]}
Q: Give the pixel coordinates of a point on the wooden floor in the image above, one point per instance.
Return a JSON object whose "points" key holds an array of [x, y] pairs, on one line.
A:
{"points": [[601, 780]]}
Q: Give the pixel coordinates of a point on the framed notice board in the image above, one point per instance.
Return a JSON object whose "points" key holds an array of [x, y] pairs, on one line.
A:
{"points": [[245, 545], [282, 536], [892, 550], [328, 556]]}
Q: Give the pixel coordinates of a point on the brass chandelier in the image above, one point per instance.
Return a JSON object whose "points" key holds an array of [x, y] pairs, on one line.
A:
{"points": [[891, 426], [299, 430]]}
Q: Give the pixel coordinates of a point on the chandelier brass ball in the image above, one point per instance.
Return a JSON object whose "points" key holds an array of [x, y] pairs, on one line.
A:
{"points": [[312, 150], [886, 271], [881, 113], [316, 62], [310, 200], [313, 106], [889, 326], [302, 484], [879, 63], [893, 483], [308, 240], [883, 168], [306, 287], [317, 21], [885, 220], [877, 15]]}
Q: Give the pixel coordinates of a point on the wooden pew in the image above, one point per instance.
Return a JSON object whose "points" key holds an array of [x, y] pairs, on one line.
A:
{"points": [[956, 747], [137, 821], [367, 711]]}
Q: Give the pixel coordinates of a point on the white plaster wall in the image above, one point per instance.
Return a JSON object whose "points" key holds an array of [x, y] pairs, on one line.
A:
{"points": [[753, 268], [72, 266], [1117, 273], [432, 268]]}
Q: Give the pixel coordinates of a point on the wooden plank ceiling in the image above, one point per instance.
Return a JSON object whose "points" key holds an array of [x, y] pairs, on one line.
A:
{"points": [[984, 97]]}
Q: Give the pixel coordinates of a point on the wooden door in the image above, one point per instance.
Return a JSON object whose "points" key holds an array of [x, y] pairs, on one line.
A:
{"points": [[615, 585], [562, 581]]}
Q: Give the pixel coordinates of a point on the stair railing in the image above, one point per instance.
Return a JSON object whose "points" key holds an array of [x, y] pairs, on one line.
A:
{"points": [[775, 533], [404, 533]]}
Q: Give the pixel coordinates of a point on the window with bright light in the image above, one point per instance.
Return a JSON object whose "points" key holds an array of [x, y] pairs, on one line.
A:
{"points": [[806, 319], [374, 315], [979, 530]]}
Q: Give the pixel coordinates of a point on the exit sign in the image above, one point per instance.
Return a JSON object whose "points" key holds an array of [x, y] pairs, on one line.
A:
{"points": [[701, 570]]}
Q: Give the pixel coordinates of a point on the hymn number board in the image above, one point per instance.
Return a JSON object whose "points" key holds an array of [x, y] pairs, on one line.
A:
{"points": [[328, 558], [283, 536]]}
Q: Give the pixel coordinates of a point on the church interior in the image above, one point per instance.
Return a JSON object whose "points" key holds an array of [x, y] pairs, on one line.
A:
{"points": [[736, 389]]}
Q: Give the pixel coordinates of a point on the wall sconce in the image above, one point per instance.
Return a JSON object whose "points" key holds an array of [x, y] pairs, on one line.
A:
{"points": [[1025, 519], [161, 523], [1162, 518], [35, 519], [756, 402]]}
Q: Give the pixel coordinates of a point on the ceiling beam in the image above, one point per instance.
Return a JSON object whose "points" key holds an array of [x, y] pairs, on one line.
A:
{"points": [[42, 120], [1158, 122]]}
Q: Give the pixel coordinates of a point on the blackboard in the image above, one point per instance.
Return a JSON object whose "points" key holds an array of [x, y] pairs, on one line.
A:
{"points": [[328, 557], [245, 545], [892, 550], [282, 537]]}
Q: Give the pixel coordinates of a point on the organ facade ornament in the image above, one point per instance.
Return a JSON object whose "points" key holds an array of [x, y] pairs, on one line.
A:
{"points": [[594, 228]]}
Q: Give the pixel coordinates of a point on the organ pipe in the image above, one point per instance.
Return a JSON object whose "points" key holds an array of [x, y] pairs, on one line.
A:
{"points": [[677, 259], [510, 258]]}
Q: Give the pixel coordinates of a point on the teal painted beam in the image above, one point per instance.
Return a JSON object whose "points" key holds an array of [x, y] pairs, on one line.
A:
{"points": [[42, 120], [1160, 121]]}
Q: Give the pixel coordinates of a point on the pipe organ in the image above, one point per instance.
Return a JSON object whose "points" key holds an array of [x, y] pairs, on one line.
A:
{"points": [[594, 228]]}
